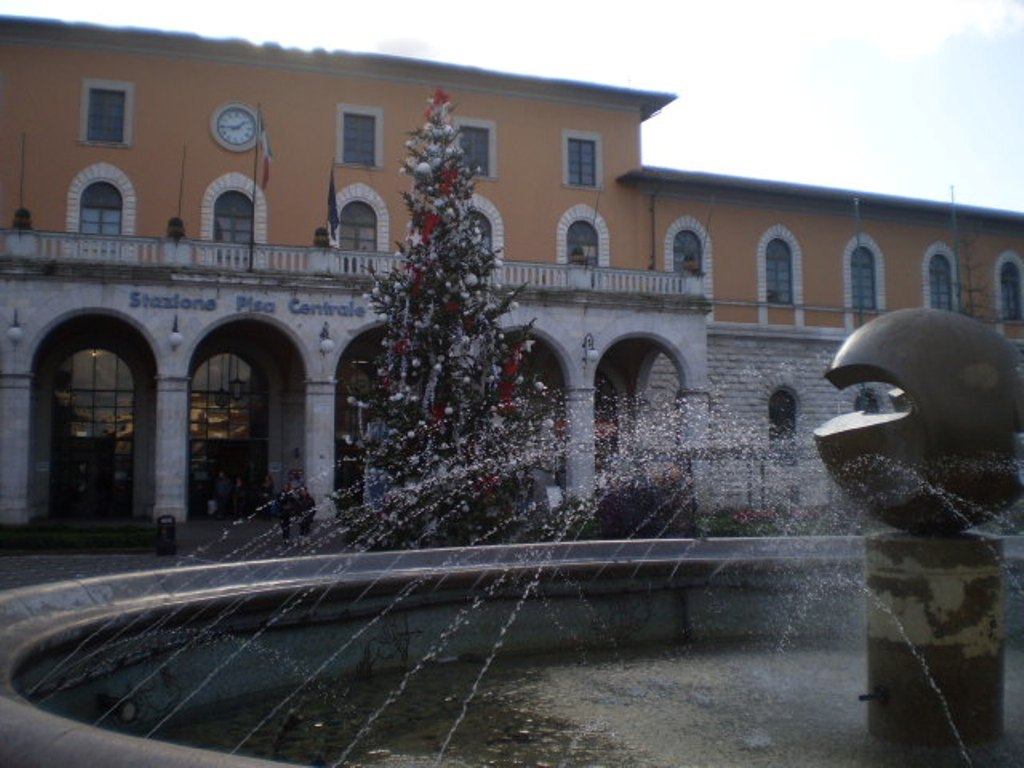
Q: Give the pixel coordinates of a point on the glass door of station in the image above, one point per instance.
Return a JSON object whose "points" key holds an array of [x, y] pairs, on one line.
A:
{"points": [[92, 452], [228, 428]]}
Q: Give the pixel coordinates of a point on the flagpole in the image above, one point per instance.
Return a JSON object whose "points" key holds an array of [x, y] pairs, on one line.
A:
{"points": [[181, 177], [21, 180], [856, 224], [255, 169], [330, 189]]}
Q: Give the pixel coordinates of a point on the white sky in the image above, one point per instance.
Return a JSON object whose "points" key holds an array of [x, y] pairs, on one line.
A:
{"points": [[919, 98]]}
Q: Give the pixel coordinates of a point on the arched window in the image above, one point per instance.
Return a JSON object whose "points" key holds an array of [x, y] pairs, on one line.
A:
{"points": [[687, 253], [862, 279], [100, 210], [781, 415], [228, 400], [940, 282], [581, 243], [232, 218], [1009, 287], [484, 225], [778, 272], [358, 229]]}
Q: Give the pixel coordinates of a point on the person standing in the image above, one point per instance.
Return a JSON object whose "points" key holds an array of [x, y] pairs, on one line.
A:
{"points": [[288, 505], [306, 505], [222, 494], [239, 499], [266, 496]]}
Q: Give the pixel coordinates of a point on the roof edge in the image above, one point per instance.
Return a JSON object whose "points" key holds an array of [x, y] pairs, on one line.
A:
{"points": [[27, 30], [668, 177]]}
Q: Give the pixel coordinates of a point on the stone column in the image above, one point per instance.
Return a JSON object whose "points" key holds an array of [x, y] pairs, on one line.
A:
{"points": [[319, 439], [935, 639], [171, 471], [15, 447], [579, 459]]}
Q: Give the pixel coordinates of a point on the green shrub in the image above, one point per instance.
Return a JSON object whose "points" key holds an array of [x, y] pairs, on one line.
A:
{"points": [[57, 536]]}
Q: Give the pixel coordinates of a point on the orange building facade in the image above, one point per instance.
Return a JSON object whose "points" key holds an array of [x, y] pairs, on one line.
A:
{"points": [[171, 313]]}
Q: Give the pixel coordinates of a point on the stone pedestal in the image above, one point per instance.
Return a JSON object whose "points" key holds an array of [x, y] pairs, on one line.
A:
{"points": [[935, 639]]}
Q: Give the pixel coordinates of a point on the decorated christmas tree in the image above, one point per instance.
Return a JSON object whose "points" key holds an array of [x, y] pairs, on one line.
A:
{"points": [[453, 418]]}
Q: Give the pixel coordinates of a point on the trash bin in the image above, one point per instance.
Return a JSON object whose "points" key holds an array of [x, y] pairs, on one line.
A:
{"points": [[165, 543]]}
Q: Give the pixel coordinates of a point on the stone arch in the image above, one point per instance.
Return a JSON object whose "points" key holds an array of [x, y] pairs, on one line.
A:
{"points": [[488, 209], [113, 480], [585, 213], [367, 194], [112, 175], [233, 182]]}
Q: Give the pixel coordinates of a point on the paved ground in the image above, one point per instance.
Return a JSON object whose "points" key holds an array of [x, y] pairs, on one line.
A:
{"points": [[198, 543]]}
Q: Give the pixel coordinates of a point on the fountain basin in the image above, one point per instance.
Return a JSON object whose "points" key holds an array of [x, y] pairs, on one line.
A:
{"points": [[336, 614]]}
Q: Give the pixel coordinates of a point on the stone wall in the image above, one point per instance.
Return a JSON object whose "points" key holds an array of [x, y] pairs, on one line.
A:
{"points": [[742, 468]]}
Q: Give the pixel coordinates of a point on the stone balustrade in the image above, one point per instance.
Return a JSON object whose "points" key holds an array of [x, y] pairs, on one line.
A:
{"points": [[263, 258]]}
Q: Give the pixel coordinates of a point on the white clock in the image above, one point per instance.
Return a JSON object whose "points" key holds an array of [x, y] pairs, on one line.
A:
{"points": [[234, 126]]}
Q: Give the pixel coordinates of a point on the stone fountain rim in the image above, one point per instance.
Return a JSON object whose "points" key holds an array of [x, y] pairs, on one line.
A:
{"points": [[32, 737]]}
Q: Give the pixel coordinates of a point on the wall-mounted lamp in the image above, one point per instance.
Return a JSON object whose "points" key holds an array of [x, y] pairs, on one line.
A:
{"points": [[175, 337], [590, 355], [326, 342], [15, 333]]}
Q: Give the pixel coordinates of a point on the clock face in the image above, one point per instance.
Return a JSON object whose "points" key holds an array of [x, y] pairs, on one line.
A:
{"points": [[234, 126]]}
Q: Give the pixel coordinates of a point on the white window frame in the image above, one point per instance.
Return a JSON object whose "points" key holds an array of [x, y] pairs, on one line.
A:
{"points": [[492, 142], [796, 274], [850, 312], [1007, 257], [598, 157], [128, 88], [585, 213], [112, 175], [939, 248], [377, 113], [366, 194]]}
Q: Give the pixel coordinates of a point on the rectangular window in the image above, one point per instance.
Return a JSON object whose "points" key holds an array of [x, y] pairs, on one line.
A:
{"points": [[582, 171], [360, 135], [106, 116], [582, 159], [107, 112], [358, 140], [474, 144], [478, 139]]}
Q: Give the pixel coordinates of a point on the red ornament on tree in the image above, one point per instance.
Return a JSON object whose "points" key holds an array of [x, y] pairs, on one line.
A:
{"points": [[429, 225], [448, 178]]}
